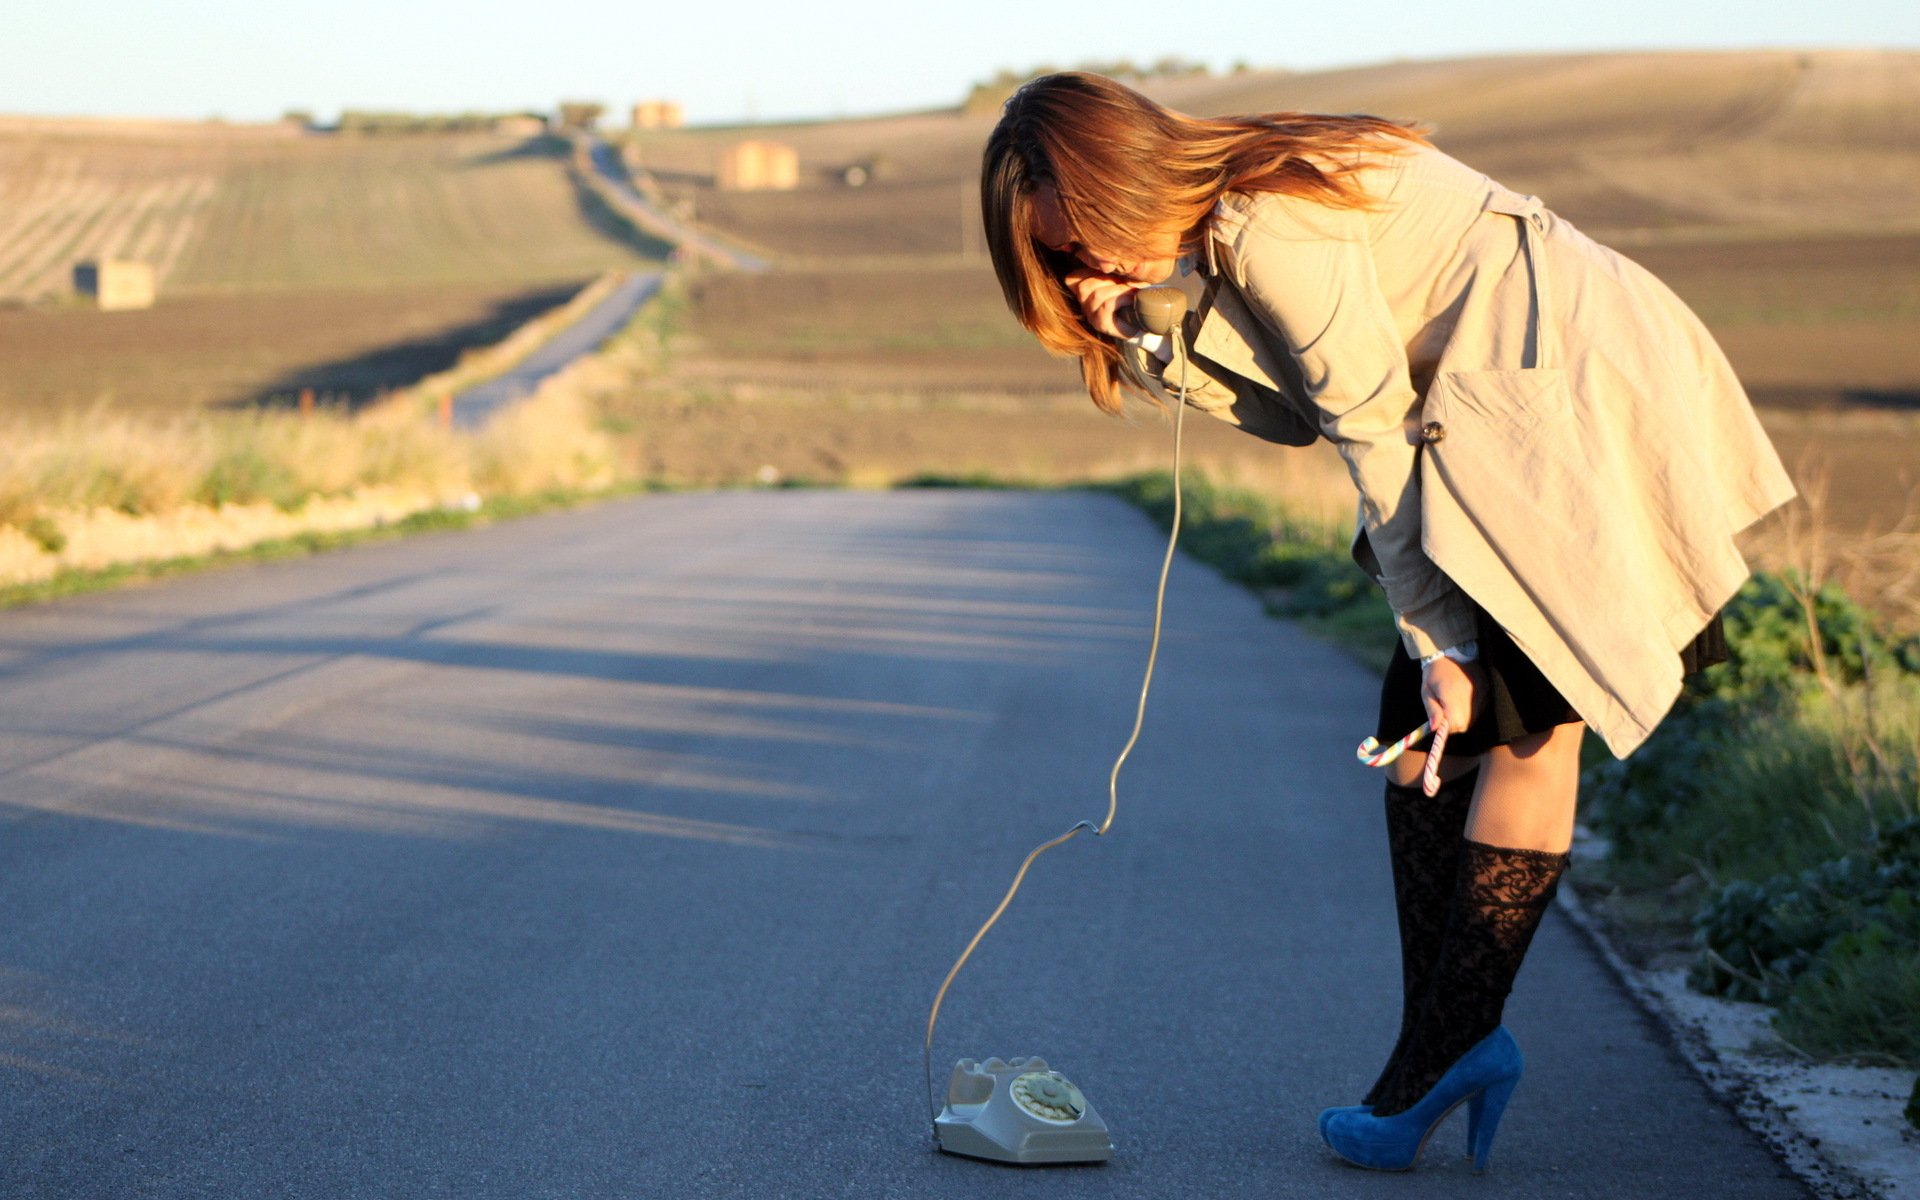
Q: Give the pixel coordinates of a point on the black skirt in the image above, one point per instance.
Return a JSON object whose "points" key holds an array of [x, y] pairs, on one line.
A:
{"points": [[1519, 700]]}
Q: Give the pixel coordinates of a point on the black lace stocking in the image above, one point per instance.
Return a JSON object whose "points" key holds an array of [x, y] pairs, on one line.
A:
{"points": [[1423, 840], [1498, 901]]}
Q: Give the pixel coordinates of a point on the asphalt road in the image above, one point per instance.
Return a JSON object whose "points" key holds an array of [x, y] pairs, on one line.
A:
{"points": [[478, 404], [670, 229], [618, 853]]}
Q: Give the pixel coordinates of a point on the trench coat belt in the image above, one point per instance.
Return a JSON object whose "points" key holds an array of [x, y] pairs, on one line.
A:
{"points": [[1531, 213]]}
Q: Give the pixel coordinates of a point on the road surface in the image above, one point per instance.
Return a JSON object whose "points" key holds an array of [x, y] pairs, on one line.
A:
{"points": [[618, 853], [606, 161]]}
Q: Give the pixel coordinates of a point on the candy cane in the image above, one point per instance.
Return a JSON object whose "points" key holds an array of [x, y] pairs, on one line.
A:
{"points": [[1371, 754], [1430, 779]]}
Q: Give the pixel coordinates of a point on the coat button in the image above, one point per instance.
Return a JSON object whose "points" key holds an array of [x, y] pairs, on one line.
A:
{"points": [[1432, 431]]}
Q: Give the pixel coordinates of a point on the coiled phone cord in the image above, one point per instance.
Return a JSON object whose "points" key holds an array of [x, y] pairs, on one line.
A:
{"points": [[1113, 780]]}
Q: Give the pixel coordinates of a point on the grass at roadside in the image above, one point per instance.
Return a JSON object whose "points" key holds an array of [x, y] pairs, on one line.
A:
{"points": [[1780, 804], [1297, 561], [83, 497], [476, 515]]}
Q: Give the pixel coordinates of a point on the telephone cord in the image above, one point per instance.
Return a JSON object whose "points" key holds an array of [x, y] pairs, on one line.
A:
{"points": [[1113, 780]]}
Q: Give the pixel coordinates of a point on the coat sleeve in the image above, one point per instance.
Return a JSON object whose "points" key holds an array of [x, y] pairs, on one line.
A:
{"points": [[1307, 271]]}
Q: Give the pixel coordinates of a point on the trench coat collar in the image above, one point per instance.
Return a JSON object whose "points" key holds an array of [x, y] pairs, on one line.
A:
{"points": [[1229, 332]]}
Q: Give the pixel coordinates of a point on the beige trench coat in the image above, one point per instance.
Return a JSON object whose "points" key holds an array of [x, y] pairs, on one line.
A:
{"points": [[1532, 420]]}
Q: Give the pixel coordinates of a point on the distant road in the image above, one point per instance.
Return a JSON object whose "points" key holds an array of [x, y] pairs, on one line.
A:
{"points": [[479, 403], [661, 225], [618, 853]]}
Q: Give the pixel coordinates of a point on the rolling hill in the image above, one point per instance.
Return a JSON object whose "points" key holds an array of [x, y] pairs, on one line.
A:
{"points": [[1639, 147], [285, 259]]}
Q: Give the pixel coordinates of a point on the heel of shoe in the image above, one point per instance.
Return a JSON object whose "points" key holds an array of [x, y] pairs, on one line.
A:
{"points": [[1483, 1119]]}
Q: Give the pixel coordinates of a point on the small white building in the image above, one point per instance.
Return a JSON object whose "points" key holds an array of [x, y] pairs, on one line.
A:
{"points": [[115, 284]]}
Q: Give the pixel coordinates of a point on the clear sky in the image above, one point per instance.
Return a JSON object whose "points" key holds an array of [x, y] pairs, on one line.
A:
{"points": [[726, 60]]}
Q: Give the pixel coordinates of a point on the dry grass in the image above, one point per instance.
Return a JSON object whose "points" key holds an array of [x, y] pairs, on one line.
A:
{"points": [[106, 489], [1824, 535], [142, 466]]}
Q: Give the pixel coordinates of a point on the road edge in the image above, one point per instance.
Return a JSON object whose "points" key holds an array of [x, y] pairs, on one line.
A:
{"points": [[1794, 1147]]}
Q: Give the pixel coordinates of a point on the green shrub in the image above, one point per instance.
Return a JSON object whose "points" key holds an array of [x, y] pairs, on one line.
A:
{"points": [[1764, 766], [1749, 788], [1771, 640], [1758, 939], [1862, 996]]}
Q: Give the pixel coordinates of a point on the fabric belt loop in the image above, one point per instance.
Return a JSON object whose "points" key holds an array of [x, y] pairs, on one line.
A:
{"points": [[1544, 350]]}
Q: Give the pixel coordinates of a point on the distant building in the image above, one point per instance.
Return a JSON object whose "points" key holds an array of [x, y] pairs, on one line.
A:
{"points": [[114, 284], [658, 114], [520, 125], [757, 166], [582, 115]]}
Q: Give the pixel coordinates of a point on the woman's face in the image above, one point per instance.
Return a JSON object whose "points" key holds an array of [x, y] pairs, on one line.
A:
{"points": [[1151, 264]]}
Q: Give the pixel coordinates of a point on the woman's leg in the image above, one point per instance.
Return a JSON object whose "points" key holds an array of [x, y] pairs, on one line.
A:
{"points": [[1510, 864], [1423, 846], [1527, 790]]}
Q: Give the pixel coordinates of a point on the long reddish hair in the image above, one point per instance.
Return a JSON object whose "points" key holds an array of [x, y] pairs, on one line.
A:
{"points": [[1127, 172]]}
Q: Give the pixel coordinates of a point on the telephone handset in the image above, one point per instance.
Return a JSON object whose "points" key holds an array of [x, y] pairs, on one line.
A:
{"points": [[1159, 309]]}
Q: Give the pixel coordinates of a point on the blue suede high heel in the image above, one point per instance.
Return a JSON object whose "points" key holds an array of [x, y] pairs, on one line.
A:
{"points": [[1326, 1113], [1483, 1078]]}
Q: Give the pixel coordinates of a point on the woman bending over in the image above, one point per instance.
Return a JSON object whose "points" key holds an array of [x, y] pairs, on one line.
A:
{"points": [[1552, 459]]}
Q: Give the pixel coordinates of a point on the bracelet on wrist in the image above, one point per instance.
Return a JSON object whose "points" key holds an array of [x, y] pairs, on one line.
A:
{"points": [[1465, 652]]}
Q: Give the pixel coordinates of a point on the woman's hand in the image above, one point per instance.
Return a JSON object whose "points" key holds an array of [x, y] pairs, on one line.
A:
{"points": [[1105, 300], [1452, 689]]}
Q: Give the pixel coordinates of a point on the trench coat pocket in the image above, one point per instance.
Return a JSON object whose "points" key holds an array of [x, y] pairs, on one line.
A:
{"points": [[1492, 405]]}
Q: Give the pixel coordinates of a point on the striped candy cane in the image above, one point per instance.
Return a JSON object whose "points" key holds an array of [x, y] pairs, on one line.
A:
{"points": [[1370, 752], [1430, 778]]}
